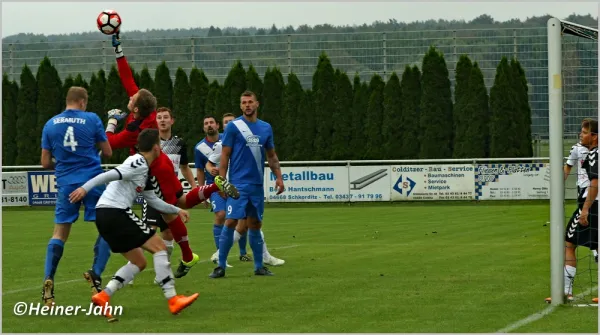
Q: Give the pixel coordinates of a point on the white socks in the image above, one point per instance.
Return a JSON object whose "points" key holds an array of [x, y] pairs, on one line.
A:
{"points": [[569, 274], [170, 245], [121, 278], [164, 274], [266, 253]]}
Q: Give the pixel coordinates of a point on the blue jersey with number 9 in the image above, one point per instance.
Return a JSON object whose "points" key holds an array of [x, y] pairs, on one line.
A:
{"points": [[71, 137]]}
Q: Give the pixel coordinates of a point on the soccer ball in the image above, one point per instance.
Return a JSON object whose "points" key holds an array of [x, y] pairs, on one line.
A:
{"points": [[109, 22]]}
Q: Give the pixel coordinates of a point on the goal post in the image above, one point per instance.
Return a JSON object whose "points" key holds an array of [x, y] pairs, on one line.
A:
{"points": [[555, 30]]}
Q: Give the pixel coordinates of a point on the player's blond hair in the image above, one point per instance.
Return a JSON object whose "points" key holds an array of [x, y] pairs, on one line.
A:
{"points": [[75, 94]]}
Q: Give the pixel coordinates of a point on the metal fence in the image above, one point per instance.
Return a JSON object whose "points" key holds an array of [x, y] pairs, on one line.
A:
{"points": [[364, 54]]}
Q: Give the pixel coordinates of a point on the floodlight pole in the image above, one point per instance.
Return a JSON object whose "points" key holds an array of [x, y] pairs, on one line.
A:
{"points": [[557, 185]]}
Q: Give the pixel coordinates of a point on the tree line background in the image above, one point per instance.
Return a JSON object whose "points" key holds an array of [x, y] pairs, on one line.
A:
{"points": [[354, 49], [339, 117]]}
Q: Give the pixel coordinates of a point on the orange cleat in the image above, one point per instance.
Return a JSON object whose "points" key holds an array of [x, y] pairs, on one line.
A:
{"points": [[595, 300], [102, 299], [180, 302]]}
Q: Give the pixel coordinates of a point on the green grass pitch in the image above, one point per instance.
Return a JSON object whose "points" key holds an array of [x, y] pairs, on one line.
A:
{"points": [[405, 267]]}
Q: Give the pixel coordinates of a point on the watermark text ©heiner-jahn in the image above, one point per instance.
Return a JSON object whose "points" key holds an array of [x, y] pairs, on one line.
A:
{"points": [[32, 308]]}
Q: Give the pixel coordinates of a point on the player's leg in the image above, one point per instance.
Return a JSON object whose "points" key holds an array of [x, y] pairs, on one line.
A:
{"points": [[199, 194], [164, 275], [235, 210], [125, 233], [241, 237], [180, 236], [101, 248], [167, 236], [65, 213], [570, 268], [269, 259], [218, 207], [254, 217]]}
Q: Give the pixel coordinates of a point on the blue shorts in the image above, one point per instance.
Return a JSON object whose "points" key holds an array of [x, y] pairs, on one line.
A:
{"points": [[251, 203], [66, 212], [218, 202]]}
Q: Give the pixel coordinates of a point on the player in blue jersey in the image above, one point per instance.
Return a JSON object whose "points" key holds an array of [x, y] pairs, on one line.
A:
{"points": [[202, 151], [246, 141], [70, 142]]}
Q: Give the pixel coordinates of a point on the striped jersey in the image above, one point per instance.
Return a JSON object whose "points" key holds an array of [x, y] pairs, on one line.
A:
{"points": [[576, 158], [176, 149]]}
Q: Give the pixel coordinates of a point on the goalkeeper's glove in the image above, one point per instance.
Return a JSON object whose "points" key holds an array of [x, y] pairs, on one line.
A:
{"points": [[116, 43], [114, 116]]}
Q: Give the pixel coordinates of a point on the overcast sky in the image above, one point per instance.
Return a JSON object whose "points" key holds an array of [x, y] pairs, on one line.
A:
{"points": [[70, 17]]}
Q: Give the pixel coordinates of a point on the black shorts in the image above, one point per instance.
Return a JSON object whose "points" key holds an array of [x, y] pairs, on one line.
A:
{"points": [[122, 229], [586, 236], [152, 217]]}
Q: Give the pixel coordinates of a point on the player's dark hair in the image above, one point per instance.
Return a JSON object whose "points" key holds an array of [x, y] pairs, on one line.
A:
{"points": [[76, 94], [147, 139], [165, 109], [591, 125], [210, 117], [145, 102], [248, 93]]}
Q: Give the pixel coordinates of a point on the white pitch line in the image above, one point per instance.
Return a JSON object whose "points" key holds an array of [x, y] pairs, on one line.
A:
{"points": [[539, 315], [39, 287]]}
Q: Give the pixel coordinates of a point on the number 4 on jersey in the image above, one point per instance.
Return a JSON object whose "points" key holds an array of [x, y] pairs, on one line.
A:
{"points": [[69, 140]]}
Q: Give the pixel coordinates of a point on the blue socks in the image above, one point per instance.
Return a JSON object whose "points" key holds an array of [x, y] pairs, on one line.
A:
{"points": [[225, 243], [256, 244], [53, 256], [101, 255], [217, 233], [242, 243]]}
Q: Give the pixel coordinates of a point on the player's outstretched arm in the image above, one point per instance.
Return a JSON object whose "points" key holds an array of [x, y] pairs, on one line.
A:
{"points": [[158, 204], [124, 139], [211, 168], [124, 70], [275, 166], [103, 178]]}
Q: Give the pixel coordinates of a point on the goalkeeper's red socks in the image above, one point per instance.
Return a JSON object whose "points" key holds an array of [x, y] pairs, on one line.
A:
{"points": [[180, 235], [199, 194]]}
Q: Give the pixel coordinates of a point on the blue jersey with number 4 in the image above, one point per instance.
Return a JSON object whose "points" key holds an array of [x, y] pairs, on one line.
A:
{"points": [[71, 137], [249, 142]]}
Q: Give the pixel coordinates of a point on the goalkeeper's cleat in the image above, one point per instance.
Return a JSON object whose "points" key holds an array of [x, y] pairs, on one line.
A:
{"points": [[245, 258], [263, 272], [184, 267], [102, 299], [273, 261], [180, 302], [215, 259], [94, 280], [568, 298], [218, 272], [48, 292], [228, 188]]}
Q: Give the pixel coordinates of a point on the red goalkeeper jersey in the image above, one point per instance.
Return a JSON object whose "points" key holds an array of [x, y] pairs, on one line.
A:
{"points": [[128, 137]]}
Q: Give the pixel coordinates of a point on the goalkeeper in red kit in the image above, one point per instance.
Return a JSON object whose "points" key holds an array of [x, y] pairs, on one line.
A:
{"points": [[162, 172]]}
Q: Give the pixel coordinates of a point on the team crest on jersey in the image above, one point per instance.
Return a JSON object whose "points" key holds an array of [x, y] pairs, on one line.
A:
{"points": [[139, 189], [253, 141]]}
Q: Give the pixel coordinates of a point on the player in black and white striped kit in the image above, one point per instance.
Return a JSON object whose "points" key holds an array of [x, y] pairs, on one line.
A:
{"points": [[175, 148], [582, 229], [124, 232], [577, 157]]}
